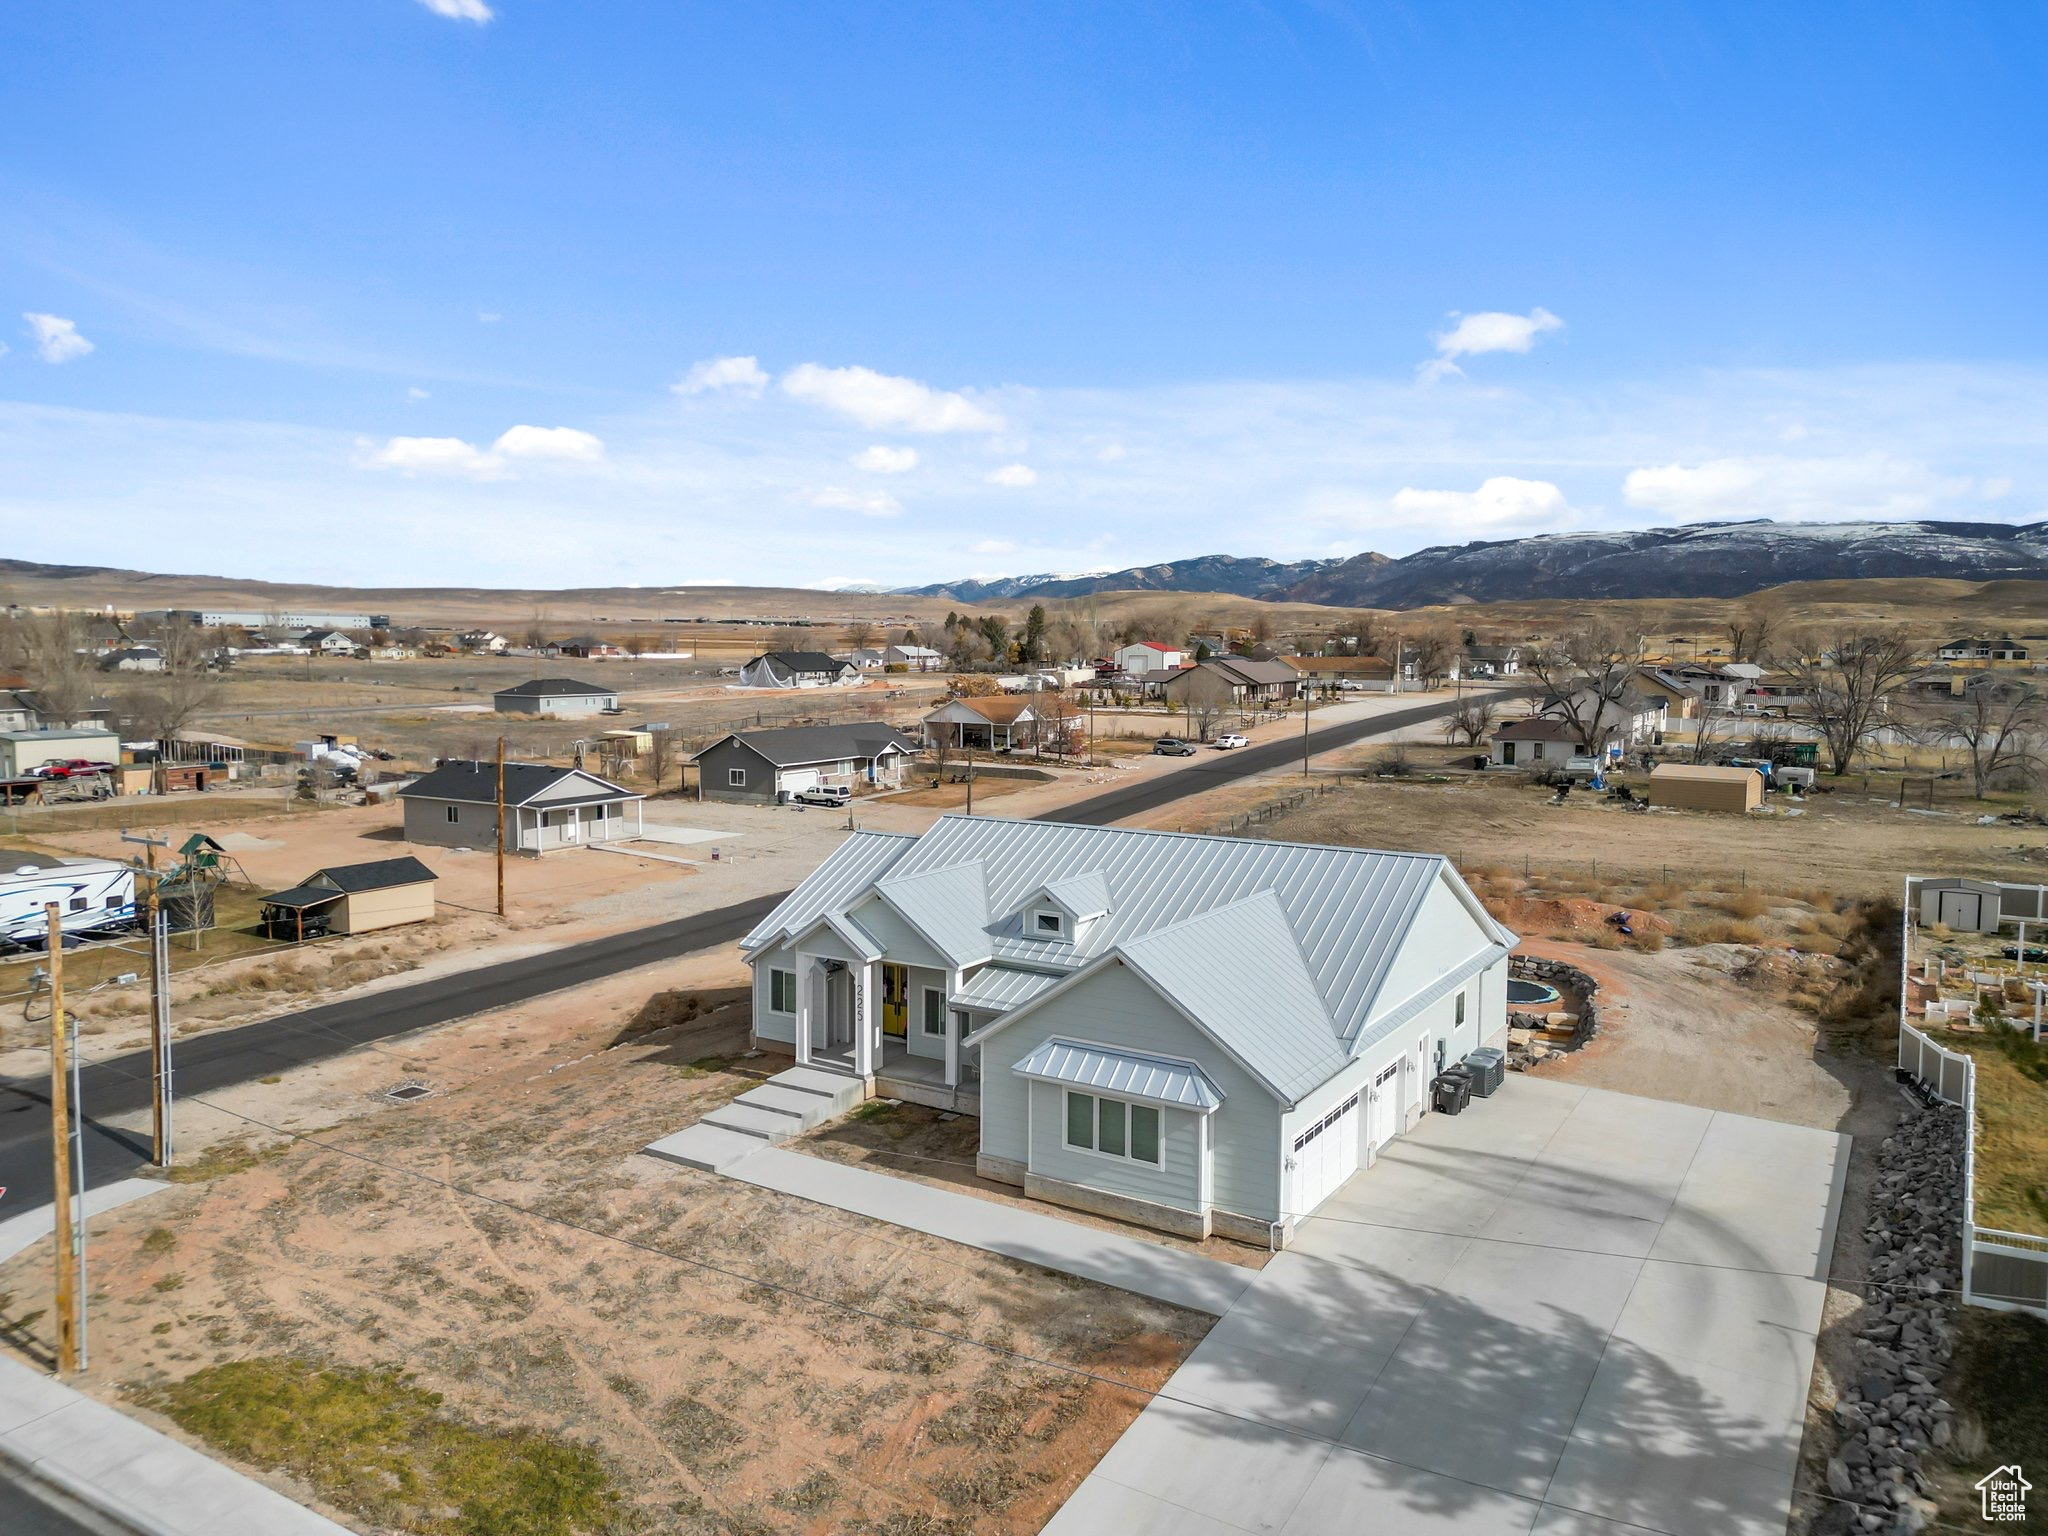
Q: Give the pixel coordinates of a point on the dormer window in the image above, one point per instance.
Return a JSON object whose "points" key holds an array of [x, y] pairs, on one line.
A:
{"points": [[1049, 925]]}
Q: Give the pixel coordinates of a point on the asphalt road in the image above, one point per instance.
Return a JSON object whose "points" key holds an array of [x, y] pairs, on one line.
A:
{"points": [[23, 1513], [225, 1057]]}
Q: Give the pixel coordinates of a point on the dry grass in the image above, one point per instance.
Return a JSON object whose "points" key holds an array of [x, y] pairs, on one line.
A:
{"points": [[2012, 1127]]}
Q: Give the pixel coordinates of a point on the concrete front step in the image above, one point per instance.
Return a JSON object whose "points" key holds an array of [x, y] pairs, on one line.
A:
{"points": [[706, 1147], [842, 1090], [764, 1123], [804, 1109]]}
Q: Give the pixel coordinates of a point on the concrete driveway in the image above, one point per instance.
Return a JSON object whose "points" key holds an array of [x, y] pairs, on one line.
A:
{"points": [[1566, 1311]]}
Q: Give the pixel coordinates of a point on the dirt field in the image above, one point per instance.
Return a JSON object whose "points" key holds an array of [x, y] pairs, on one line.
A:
{"points": [[739, 1361]]}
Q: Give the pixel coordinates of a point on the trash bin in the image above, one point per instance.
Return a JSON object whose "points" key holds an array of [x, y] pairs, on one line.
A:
{"points": [[1451, 1092], [1488, 1067]]}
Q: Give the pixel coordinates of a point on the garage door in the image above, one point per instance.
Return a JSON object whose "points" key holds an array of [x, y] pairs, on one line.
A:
{"points": [[1324, 1156], [797, 780], [1960, 909]]}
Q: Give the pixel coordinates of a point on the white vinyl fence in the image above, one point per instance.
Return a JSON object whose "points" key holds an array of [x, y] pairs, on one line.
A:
{"points": [[2006, 1271]]}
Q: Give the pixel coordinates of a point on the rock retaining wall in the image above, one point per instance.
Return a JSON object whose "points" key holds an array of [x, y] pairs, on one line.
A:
{"points": [[1891, 1412], [1566, 978]]}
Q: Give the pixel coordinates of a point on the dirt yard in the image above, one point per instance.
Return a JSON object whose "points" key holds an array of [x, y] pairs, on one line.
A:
{"points": [[737, 1361]]}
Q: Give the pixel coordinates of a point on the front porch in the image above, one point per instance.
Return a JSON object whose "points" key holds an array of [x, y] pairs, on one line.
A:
{"points": [[917, 1079], [860, 1014]]}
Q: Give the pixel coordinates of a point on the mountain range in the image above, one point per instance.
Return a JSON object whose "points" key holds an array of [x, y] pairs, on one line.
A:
{"points": [[1728, 559]]}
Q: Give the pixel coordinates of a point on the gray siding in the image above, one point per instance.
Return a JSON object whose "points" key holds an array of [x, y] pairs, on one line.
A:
{"points": [[714, 769], [426, 821], [1176, 1182], [768, 1024], [566, 704], [1114, 1007]]}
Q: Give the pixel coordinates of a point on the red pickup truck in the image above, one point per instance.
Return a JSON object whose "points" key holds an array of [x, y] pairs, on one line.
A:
{"points": [[70, 768]]}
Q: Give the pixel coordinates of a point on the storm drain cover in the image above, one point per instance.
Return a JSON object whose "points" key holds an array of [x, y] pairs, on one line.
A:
{"points": [[409, 1091]]}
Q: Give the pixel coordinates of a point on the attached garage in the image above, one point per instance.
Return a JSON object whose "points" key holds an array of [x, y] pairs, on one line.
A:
{"points": [[1325, 1155], [1705, 787]]}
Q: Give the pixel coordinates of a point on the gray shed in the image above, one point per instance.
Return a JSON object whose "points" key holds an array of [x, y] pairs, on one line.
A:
{"points": [[1969, 906]]}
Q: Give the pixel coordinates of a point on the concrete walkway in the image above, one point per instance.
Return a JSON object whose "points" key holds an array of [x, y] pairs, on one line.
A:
{"points": [[142, 1480], [18, 1233], [1130, 1264], [1564, 1312]]}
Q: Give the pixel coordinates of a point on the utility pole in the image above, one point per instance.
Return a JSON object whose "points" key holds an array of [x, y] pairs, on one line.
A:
{"points": [[970, 779], [157, 925], [1304, 737], [501, 826], [60, 1148]]}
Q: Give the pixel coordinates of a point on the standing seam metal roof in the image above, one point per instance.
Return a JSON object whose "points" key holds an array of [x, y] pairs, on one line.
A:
{"points": [[1134, 1074], [852, 868]]}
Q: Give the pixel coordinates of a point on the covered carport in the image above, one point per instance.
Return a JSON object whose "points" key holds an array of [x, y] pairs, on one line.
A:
{"points": [[1562, 1311]]}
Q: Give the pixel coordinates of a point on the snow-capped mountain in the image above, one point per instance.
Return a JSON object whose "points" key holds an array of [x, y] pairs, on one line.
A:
{"points": [[1695, 560]]}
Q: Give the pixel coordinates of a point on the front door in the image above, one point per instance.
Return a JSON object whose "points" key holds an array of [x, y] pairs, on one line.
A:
{"points": [[1507, 754], [1385, 1118], [895, 999]]}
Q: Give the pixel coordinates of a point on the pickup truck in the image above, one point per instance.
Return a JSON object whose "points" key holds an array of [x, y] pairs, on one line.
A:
{"points": [[70, 768]]}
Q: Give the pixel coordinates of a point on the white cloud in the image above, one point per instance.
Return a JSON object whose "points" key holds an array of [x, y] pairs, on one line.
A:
{"points": [[737, 373], [416, 393], [1109, 453], [488, 317], [833, 498], [1489, 331], [565, 443], [1500, 499], [1016, 476], [993, 547], [882, 400], [1997, 488], [433, 456], [460, 10], [57, 339], [1850, 486], [884, 460]]}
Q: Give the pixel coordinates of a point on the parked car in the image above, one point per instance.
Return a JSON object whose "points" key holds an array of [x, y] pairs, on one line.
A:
{"points": [[70, 768], [828, 795], [1172, 746], [1231, 739]]}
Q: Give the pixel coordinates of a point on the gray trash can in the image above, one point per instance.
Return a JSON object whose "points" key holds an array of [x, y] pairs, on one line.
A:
{"points": [[1451, 1092]]}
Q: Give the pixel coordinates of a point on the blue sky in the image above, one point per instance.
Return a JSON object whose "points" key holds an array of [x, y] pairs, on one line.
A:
{"points": [[522, 291]]}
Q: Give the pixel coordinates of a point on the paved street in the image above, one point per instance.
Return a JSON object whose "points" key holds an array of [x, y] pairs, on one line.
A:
{"points": [[1563, 1311]]}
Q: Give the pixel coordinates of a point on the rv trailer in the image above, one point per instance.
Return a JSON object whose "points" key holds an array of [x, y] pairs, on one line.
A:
{"points": [[93, 895]]}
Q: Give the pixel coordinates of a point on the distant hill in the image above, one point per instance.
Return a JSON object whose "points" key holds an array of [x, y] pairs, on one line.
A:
{"points": [[1210, 573], [1698, 560]]}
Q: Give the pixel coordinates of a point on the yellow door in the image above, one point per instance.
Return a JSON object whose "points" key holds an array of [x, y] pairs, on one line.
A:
{"points": [[895, 999]]}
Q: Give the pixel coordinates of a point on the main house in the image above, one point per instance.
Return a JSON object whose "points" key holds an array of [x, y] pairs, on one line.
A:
{"points": [[546, 808], [1203, 1034], [563, 697], [767, 766], [799, 669]]}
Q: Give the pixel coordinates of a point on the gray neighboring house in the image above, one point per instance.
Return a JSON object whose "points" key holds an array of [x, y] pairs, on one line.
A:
{"points": [[564, 697], [546, 808], [798, 669], [766, 766], [1202, 1034]]}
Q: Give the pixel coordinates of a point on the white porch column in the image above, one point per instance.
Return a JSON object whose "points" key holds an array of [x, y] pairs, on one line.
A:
{"points": [[952, 1033], [865, 1024], [806, 970]]}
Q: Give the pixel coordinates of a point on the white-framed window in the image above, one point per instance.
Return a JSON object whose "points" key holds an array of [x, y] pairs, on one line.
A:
{"points": [[1113, 1127], [1048, 924], [935, 1010], [454, 813], [782, 991], [1458, 1014], [736, 778]]}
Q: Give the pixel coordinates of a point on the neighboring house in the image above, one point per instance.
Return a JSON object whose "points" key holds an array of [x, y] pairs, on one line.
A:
{"points": [[1145, 660], [1372, 673], [18, 710], [588, 648], [1637, 718], [1202, 1034], [798, 669], [2002, 648], [563, 697], [546, 808], [352, 898], [767, 766], [1233, 682], [915, 658], [22, 752], [1488, 661], [1547, 739], [1676, 690], [328, 642], [868, 659], [133, 658], [994, 723], [481, 640]]}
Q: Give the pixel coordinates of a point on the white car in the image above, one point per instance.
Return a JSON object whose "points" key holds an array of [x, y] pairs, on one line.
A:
{"points": [[828, 795], [1231, 739]]}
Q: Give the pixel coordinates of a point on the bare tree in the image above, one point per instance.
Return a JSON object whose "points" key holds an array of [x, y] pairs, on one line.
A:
{"points": [[168, 701], [790, 637], [661, 757], [1999, 724], [1750, 629], [1586, 673], [633, 645], [1202, 716], [1431, 650], [51, 650], [536, 632], [1472, 721], [1713, 727], [860, 634], [1846, 678]]}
